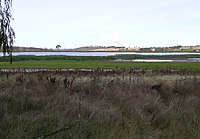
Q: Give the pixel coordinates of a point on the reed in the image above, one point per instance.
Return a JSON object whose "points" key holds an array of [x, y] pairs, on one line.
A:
{"points": [[126, 105]]}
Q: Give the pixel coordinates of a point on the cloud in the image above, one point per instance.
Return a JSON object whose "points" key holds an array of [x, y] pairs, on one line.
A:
{"points": [[113, 36]]}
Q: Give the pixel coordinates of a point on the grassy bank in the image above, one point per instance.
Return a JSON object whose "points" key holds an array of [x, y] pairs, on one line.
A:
{"points": [[106, 106], [101, 58], [56, 62], [45, 58], [62, 64]]}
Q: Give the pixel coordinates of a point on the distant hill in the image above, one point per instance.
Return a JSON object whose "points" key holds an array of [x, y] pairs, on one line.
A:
{"points": [[99, 48], [28, 49]]}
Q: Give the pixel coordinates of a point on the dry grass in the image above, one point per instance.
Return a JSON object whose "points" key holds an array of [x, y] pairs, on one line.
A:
{"points": [[110, 106]]}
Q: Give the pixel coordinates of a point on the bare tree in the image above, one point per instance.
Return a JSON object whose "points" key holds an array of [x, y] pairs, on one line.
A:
{"points": [[7, 34]]}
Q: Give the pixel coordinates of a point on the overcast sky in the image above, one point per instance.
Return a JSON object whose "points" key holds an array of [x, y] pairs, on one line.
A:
{"points": [[75, 23]]}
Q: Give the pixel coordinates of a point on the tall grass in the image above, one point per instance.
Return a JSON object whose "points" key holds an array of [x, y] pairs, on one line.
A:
{"points": [[108, 106]]}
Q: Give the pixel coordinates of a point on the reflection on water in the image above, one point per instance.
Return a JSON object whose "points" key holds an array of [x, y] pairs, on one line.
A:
{"points": [[151, 60], [160, 60]]}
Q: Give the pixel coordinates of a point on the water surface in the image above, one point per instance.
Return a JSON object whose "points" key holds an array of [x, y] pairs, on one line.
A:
{"points": [[97, 53]]}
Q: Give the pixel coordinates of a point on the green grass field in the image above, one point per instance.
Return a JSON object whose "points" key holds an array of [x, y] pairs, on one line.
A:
{"points": [[56, 64], [66, 62]]}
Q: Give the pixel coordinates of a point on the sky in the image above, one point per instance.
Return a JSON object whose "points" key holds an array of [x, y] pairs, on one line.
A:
{"points": [[130, 23]]}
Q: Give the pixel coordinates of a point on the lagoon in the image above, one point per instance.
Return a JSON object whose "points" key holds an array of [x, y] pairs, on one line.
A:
{"points": [[98, 53]]}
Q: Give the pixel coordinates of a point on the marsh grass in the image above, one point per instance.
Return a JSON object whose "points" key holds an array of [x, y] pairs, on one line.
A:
{"points": [[111, 106]]}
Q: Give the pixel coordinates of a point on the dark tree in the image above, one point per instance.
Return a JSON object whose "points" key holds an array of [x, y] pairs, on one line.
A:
{"points": [[58, 46], [7, 34]]}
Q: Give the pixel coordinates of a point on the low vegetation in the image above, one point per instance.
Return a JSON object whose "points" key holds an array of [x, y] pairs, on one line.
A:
{"points": [[102, 58], [93, 64], [99, 105], [45, 58], [85, 62]]}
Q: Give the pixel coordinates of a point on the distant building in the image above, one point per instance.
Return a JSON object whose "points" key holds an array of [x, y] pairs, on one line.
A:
{"points": [[153, 49], [196, 48]]}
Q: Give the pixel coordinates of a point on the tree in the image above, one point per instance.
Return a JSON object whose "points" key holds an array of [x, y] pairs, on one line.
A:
{"points": [[58, 46], [7, 34]]}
